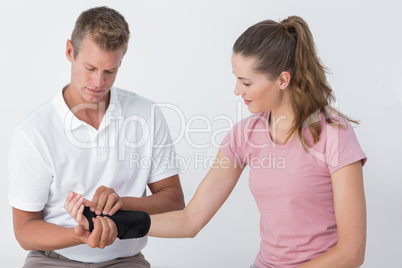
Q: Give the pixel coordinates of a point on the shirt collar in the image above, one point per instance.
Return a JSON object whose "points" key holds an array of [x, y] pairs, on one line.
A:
{"points": [[113, 110], [71, 122]]}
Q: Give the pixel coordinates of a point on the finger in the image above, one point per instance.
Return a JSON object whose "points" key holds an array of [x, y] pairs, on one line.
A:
{"points": [[94, 237], [97, 198], [80, 212], [71, 206], [81, 219], [116, 207], [111, 201], [70, 196], [113, 231], [78, 203], [103, 198], [87, 202], [103, 241]]}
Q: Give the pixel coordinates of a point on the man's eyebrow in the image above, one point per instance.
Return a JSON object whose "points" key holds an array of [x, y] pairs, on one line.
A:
{"points": [[89, 65], [109, 70], [113, 69]]}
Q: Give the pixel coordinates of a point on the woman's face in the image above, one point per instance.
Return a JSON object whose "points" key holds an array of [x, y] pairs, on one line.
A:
{"points": [[259, 93]]}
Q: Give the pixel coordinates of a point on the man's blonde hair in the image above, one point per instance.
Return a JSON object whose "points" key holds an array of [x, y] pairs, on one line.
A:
{"points": [[106, 27]]}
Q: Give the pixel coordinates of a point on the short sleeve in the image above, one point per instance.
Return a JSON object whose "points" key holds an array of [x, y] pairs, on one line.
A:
{"points": [[29, 177], [164, 159], [342, 147], [231, 144]]}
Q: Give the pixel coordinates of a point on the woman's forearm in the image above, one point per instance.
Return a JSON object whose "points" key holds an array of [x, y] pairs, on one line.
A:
{"points": [[175, 224], [337, 257]]}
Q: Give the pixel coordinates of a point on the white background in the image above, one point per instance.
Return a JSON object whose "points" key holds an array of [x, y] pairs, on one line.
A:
{"points": [[180, 53]]}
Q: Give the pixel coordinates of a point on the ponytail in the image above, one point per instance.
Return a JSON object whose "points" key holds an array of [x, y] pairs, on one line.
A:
{"points": [[289, 46]]}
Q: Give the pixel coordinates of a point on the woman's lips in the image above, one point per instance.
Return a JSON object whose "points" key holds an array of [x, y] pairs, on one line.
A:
{"points": [[247, 102]]}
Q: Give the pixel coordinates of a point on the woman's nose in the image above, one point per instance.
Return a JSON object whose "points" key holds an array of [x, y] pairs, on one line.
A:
{"points": [[238, 90]]}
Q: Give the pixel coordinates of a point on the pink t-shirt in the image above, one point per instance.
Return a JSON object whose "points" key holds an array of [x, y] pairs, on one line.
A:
{"points": [[292, 187]]}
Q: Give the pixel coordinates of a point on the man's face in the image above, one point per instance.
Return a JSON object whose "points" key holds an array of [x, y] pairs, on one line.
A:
{"points": [[93, 71]]}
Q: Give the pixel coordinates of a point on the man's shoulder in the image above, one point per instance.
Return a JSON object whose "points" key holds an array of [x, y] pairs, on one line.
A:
{"points": [[40, 115], [133, 104], [129, 97]]}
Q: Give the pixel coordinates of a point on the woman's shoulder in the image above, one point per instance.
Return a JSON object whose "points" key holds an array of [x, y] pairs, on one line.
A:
{"points": [[260, 120]]}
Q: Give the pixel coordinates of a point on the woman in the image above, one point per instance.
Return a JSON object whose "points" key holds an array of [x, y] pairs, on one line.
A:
{"points": [[305, 161]]}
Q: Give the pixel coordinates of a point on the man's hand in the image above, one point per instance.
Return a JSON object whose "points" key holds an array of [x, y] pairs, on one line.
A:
{"points": [[105, 201], [105, 230], [103, 234]]}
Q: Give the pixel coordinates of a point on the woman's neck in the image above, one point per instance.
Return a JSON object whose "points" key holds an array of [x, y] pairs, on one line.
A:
{"points": [[280, 124]]}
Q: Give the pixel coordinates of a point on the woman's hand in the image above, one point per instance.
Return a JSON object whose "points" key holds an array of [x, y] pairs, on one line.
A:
{"points": [[74, 205]]}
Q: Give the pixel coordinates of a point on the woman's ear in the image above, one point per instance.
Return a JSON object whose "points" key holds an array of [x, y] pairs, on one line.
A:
{"points": [[284, 80]]}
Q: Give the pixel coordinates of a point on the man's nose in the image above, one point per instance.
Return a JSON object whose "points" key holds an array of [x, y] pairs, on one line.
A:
{"points": [[99, 79]]}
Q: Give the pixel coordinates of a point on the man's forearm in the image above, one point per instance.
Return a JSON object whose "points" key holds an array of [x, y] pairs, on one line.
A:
{"points": [[160, 202], [167, 195], [37, 234]]}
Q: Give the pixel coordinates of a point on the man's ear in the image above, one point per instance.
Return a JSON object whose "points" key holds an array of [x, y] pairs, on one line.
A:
{"points": [[284, 79], [69, 50]]}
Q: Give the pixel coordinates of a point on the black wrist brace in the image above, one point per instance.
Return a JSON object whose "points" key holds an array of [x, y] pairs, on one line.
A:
{"points": [[130, 224]]}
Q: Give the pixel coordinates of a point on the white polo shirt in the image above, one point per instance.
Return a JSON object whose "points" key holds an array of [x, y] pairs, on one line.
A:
{"points": [[53, 152]]}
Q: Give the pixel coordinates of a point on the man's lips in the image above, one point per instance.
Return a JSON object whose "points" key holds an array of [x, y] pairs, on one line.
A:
{"points": [[96, 91]]}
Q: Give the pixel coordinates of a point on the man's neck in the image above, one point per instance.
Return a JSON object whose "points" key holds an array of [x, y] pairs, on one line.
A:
{"points": [[89, 112]]}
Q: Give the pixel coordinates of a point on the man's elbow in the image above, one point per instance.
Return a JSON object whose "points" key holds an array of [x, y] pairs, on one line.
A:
{"points": [[23, 240], [178, 203], [23, 244]]}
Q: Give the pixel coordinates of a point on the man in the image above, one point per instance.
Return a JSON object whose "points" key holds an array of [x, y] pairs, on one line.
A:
{"points": [[95, 139]]}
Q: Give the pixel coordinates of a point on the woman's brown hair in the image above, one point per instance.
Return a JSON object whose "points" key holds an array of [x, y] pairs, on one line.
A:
{"points": [[289, 46]]}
